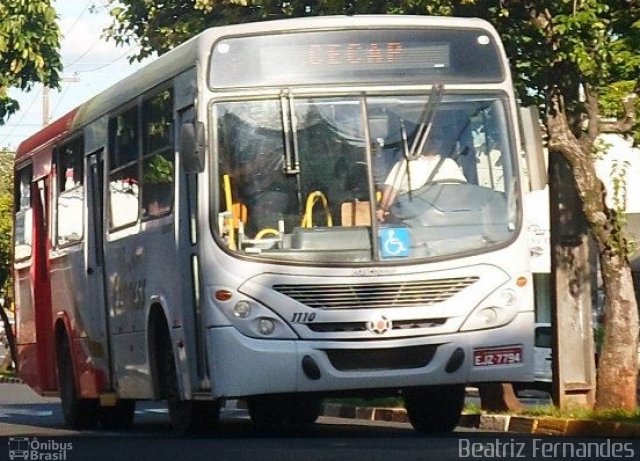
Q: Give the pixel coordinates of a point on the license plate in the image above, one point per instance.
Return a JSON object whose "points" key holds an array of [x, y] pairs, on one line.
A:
{"points": [[497, 356]]}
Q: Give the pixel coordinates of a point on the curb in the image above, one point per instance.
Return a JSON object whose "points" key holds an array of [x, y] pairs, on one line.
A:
{"points": [[336, 410], [550, 426], [498, 423]]}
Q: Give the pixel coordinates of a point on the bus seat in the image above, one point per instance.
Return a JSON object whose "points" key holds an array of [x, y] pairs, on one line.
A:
{"points": [[355, 213], [240, 214]]}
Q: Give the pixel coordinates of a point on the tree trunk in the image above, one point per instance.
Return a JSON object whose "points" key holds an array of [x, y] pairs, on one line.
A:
{"points": [[618, 364], [498, 397], [616, 383]]}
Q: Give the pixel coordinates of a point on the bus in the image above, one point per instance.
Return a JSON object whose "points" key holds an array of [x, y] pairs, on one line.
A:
{"points": [[217, 226]]}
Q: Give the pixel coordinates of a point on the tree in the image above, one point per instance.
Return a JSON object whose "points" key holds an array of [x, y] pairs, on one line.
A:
{"points": [[6, 231], [563, 54], [6, 217], [29, 44]]}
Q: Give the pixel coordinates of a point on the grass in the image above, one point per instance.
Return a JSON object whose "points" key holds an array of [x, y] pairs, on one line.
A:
{"points": [[7, 374], [617, 415], [472, 409]]}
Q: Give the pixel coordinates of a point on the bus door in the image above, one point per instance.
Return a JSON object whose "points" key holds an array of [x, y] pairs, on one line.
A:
{"points": [[42, 283], [95, 260], [194, 321]]}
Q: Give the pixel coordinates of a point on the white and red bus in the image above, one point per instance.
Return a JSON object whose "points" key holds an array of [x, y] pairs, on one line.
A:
{"points": [[215, 226]]}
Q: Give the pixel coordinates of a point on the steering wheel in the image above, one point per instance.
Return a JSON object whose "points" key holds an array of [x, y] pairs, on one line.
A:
{"points": [[447, 181]]}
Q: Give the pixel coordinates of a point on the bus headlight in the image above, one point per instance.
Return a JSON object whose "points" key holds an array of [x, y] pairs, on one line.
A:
{"points": [[251, 318], [242, 309], [498, 309], [266, 326]]}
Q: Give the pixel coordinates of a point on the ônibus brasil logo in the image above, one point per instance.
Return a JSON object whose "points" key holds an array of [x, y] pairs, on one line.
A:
{"points": [[33, 449]]}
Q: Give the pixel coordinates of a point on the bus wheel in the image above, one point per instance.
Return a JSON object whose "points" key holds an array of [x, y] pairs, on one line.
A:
{"points": [[78, 413], [119, 416], [279, 411], [193, 416], [305, 410], [187, 416], [434, 409]]}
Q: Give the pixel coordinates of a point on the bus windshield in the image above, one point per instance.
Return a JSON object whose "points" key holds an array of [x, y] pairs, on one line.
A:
{"points": [[351, 179]]}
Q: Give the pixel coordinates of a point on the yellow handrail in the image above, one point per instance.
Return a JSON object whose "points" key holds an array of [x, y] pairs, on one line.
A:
{"points": [[267, 231], [312, 199], [228, 199]]}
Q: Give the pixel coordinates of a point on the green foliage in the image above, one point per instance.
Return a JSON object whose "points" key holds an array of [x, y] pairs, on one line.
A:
{"points": [[621, 243], [158, 170], [158, 27], [569, 43], [6, 218], [29, 44], [611, 98]]}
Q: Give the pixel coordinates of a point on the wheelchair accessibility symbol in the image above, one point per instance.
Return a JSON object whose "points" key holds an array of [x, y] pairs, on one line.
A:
{"points": [[394, 242]]}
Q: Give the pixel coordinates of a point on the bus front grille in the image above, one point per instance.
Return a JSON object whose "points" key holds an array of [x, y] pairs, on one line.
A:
{"points": [[400, 358], [378, 295], [352, 327]]}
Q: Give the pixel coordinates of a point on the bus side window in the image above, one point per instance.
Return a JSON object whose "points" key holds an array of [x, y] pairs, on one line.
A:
{"points": [[70, 204], [123, 168], [158, 159], [24, 214]]}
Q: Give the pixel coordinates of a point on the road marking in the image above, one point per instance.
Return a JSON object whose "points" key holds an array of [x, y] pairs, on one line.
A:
{"points": [[8, 412]]}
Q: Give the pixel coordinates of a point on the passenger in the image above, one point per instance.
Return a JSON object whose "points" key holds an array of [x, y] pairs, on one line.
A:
{"points": [[430, 166]]}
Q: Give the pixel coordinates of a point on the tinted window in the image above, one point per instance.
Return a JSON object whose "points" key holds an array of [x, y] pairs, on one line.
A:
{"points": [[543, 337], [123, 168], [158, 154], [24, 214], [71, 191]]}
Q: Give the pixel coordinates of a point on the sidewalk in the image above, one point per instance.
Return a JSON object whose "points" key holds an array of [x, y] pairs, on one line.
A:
{"points": [[499, 423]]}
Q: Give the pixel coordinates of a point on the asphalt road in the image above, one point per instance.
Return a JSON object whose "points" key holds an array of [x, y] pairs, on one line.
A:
{"points": [[27, 419]]}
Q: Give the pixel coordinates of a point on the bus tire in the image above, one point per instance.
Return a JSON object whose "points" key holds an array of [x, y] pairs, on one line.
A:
{"points": [[281, 410], [305, 410], [434, 409], [186, 416], [119, 416], [78, 413]]}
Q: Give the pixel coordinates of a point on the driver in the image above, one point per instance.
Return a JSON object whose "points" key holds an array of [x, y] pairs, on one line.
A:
{"points": [[411, 175]]}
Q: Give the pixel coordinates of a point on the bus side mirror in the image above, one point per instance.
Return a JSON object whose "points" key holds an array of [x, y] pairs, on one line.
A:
{"points": [[192, 147], [532, 140]]}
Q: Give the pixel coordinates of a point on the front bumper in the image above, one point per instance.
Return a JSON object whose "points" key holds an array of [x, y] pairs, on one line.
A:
{"points": [[242, 366]]}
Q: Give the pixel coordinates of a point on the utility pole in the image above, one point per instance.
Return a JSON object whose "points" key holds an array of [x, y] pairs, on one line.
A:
{"points": [[572, 275], [46, 95], [45, 105]]}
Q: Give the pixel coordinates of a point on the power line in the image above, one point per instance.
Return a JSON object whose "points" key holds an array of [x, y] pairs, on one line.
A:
{"points": [[75, 23], [86, 52], [109, 63], [33, 100]]}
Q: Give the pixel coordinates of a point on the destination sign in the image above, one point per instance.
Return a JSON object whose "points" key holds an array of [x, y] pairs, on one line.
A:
{"points": [[356, 56]]}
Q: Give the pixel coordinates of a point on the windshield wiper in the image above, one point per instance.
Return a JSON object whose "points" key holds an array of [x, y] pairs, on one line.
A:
{"points": [[291, 157], [420, 139], [426, 121]]}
